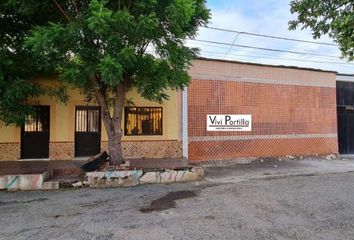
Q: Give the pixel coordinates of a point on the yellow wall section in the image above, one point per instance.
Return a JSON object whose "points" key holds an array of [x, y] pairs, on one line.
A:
{"points": [[62, 117], [9, 134]]}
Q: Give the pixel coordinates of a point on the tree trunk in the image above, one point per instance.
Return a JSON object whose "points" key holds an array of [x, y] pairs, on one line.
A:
{"points": [[115, 148], [112, 122], [115, 143]]}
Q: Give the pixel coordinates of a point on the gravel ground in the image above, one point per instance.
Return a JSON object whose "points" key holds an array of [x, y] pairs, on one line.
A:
{"points": [[302, 207]]}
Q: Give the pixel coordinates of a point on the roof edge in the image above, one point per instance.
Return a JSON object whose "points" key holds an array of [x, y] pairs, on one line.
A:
{"points": [[264, 65], [345, 74]]}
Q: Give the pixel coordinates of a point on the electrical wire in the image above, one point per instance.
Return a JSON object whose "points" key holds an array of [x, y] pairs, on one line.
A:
{"points": [[277, 58], [264, 49], [270, 36]]}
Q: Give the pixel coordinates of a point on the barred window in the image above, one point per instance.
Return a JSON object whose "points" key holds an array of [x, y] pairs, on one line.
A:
{"points": [[39, 121], [143, 120], [87, 119]]}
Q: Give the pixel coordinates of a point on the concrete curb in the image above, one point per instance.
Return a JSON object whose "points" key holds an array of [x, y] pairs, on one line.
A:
{"points": [[23, 181], [127, 178]]}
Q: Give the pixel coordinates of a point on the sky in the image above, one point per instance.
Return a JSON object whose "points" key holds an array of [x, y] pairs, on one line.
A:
{"points": [[268, 17]]}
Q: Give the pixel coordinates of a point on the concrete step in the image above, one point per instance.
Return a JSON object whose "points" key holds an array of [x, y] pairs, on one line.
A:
{"points": [[24, 181], [65, 181], [50, 185]]}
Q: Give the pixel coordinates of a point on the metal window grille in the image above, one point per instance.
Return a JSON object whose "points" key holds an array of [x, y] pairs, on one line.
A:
{"points": [[38, 122], [143, 121], [87, 119]]}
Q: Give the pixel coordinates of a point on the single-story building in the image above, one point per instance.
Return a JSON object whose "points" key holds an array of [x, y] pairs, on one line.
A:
{"points": [[270, 111], [75, 130]]}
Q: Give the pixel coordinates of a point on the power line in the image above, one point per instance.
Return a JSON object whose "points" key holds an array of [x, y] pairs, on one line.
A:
{"points": [[291, 60], [270, 36], [265, 49], [263, 54], [277, 58]]}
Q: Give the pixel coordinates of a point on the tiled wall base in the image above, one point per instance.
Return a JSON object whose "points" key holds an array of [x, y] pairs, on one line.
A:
{"points": [[61, 150], [132, 149], [225, 150], [9, 151], [150, 149]]}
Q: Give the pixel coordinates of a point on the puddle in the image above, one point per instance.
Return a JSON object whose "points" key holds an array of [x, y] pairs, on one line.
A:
{"points": [[279, 177], [168, 201], [210, 217], [67, 215], [93, 204]]}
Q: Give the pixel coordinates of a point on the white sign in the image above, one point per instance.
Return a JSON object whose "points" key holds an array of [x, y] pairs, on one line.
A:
{"points": [[229, 122]]}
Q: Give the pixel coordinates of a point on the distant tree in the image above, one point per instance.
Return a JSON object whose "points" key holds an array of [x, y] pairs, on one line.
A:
{"points": [[335, 18], [102, 47]]}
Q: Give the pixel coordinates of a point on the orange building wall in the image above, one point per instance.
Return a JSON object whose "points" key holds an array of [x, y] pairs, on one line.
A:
{"points": [[293, 111]]}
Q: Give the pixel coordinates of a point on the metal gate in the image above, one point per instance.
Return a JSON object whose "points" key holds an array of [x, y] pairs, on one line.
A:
{"points": [[87, 131], [345, 112], [346, 130]]}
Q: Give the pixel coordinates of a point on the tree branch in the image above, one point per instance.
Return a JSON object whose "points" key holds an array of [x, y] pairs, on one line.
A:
{"points": [[75, 6], [61, 10], [143, 47], [101, 99], [119, 105]]}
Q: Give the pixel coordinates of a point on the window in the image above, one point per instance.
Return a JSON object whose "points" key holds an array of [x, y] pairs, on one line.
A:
{"points": [[39, 121], [143, 121], [87, 119]]}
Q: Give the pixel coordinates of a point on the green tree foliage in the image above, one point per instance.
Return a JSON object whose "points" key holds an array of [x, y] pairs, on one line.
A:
{"points": [[335, 18], [17, 64], [103, 47]]}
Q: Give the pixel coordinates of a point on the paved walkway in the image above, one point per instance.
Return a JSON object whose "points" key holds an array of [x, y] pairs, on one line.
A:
{"points": [[168, 163], [227, 174], [36, 167], [277, 169], [69, 167]]}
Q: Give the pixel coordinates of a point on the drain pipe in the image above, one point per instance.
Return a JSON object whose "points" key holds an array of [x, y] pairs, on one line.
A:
{"points": [[185, 122]]}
